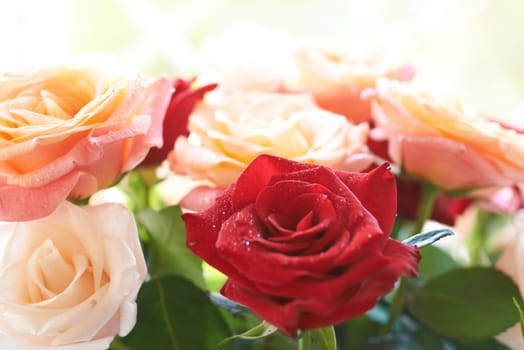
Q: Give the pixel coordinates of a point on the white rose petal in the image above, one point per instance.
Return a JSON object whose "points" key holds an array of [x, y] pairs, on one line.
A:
{"points": [[69, 281]]}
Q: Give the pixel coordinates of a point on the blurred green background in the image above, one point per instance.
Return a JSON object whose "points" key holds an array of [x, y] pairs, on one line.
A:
{"points": [[470, 48]]}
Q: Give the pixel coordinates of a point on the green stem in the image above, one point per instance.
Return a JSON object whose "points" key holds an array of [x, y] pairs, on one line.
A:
{"points": [[396, 305], [304, 343], [429, 194], [477, 238]]}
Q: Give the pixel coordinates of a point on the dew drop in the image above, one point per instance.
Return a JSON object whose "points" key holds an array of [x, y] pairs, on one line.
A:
{"points": [[191, 244], [247, 244]]}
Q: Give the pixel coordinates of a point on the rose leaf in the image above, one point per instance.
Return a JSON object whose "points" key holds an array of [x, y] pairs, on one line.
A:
{"points": [[324, 337], [521, 314], [167, 253], [434, 262], [427, 238], [261, 330], [467, 303], [174, 314]]}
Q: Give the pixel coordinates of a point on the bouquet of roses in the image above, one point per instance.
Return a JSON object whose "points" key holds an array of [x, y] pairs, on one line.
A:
{"points": [[284, 202]]}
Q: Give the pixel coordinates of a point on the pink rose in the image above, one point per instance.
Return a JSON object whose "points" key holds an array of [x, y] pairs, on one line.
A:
{"points": [[69, 280], [440, 143], [337, 79], [69, 131]]}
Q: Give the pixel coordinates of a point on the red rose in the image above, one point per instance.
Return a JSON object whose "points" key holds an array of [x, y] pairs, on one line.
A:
{"points": [[304, 246], [183, 101]]}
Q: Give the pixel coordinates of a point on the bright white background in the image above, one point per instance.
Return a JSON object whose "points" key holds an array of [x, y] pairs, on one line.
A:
{"points": [[470, 48]]}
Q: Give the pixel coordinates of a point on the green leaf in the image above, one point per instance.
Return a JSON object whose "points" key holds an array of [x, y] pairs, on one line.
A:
{"points": [[394, 342], [485, 344], [435, 262], [261, 330], [174, 314], [136, 189], [468, 303], [427, 238], [351, 334], [167, 253], [324, 337], [521, 315]]}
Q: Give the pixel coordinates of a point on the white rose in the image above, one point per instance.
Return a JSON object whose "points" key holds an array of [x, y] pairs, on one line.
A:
{"points": [[228, 133], [511, 262], [69, 281]]}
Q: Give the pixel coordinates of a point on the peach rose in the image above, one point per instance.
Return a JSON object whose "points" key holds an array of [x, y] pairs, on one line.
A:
{"points": [[69, 280], [439, 142], [69, 131], [511, 262], [249, 57], [337, 79], [226, 135]]}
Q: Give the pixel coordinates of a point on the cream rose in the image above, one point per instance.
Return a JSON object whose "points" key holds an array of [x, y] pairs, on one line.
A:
{"points": [[337, 78], [226, 135], [511, 262], [71, 130], [69, 280], [440, 142]]}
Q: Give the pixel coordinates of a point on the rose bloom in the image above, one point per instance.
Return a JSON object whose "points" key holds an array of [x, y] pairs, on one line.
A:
{"points": [[71, 130], [304, 246], [227, 134], [439, 142], [337, 79], [69, 280], [182, 103], [249, 57], [511, 262]]}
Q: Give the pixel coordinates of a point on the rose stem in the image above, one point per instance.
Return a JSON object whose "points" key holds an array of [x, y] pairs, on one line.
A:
{"points": [[477, 238], [429, 193], [304, 343]]}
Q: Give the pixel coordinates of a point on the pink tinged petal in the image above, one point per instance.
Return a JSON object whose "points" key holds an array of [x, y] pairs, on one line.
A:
{"points": [[505, 200], [154, 105], [128, 314], [203, 163], [200, 198], [448, 164], [7, 342], [86, 152], [20, 204]]}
